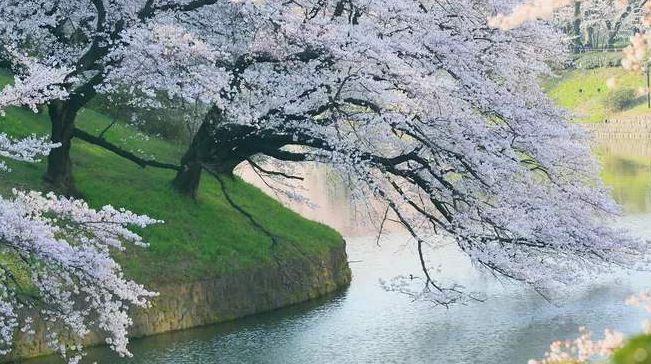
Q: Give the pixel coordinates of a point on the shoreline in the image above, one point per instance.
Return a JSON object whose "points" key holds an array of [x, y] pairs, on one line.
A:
{"points": [[226, 298]]}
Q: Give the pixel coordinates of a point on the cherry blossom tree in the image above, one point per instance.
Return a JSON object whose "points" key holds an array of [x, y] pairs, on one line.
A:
{"points": [[85, 37], [611, 18], [616, 18], [597, 23], [423, 105], [55, 252]]}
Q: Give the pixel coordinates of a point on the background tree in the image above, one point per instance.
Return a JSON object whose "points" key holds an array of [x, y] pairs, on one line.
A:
{"points": [[55, 262], [84, 36], [609, 21], [589, 22]]}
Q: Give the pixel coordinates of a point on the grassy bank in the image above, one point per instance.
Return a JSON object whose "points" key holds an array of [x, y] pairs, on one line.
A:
{"points": [[586, 92], [200, 239], [625, 162]]}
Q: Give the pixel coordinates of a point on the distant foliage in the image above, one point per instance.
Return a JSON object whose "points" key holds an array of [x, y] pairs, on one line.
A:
{"points": [[173, 120], [592, 60], [636, 351], [620, 99]]}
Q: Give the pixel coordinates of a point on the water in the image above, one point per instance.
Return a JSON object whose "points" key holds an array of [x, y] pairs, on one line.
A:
{"points": [[366, 324]]}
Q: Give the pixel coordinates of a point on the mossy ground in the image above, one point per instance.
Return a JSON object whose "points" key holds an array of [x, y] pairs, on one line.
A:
{"points": [[199, 239]]}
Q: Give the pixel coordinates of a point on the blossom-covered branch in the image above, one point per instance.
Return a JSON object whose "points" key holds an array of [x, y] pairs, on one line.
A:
{"points": [[55, 252], [63, 248], [56, 265], [421, 105], [35, 83]]}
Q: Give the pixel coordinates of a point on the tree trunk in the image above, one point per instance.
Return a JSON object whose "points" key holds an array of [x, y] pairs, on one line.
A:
{"points": [[216, 147], [59, 165], [206, 151], [578, 37], [593, 42], [187, 180]]}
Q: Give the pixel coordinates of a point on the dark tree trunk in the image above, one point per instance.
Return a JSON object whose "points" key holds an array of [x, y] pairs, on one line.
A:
{"points": [[59, 165], [188, 178], [593, 41], [578, 37], [212, 148], [218, 147]]}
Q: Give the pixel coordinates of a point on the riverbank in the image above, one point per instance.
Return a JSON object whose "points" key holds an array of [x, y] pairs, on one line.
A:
{"points": [[235, 295], [591, 94], [232, 252], [367, 324]]}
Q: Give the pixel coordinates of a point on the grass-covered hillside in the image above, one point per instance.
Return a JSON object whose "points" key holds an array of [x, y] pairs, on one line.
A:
{"points": [[200, 239], [586, 91], [590, 94]]}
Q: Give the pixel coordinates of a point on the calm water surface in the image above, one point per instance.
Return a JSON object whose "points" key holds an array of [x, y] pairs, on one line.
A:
{"points": [[366, 324]]}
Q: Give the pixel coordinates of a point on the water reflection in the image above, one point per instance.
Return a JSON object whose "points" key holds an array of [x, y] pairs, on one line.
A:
{"points": [[365, 324], [627, 170]]}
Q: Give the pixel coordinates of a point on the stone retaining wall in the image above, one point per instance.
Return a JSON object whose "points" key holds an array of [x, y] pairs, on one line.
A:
{"points": [[232, 296]]}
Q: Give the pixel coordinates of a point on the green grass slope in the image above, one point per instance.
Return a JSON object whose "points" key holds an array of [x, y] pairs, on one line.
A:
{"points": [[200, 239], [586, 92]]}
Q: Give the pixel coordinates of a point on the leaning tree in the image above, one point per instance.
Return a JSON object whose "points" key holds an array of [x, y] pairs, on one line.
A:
{"points": [[424, 105], [421, 104], [56, 269]]}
